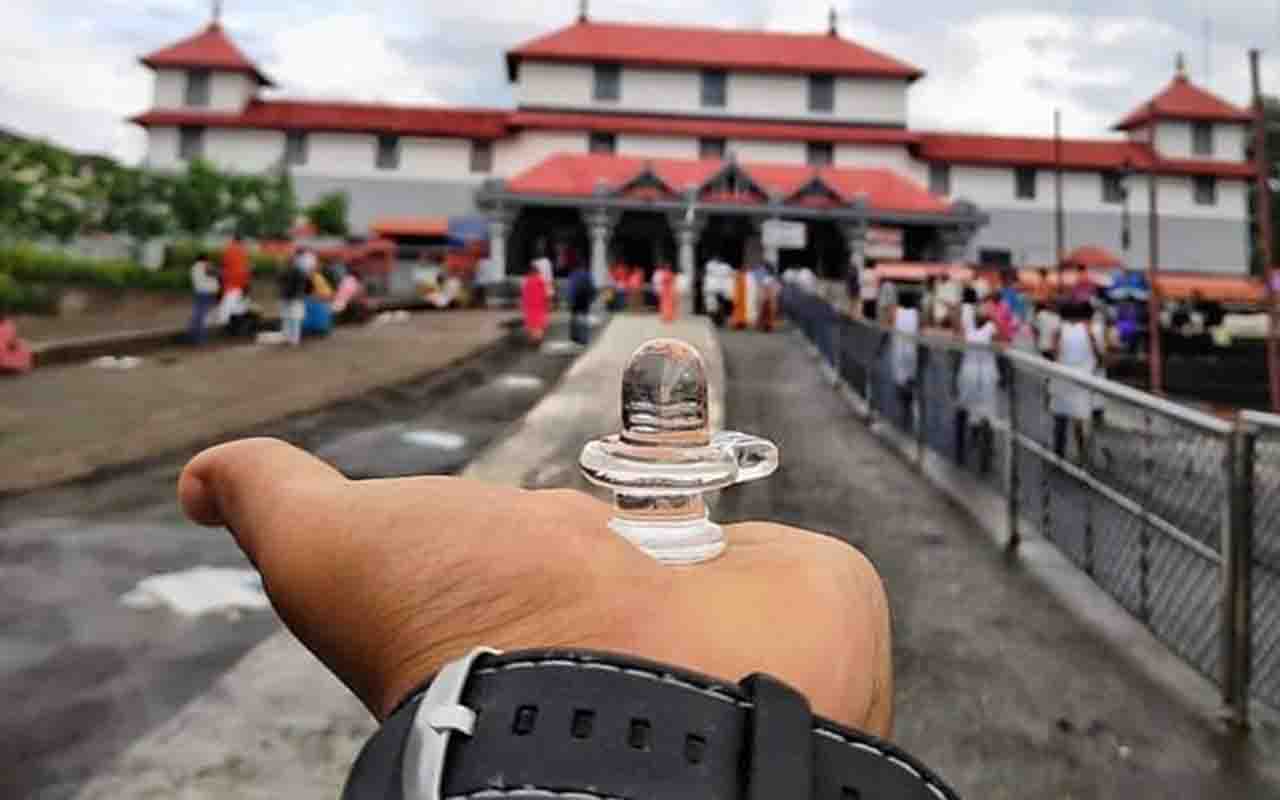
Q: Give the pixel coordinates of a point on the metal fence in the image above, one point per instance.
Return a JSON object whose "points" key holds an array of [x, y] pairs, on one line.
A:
{"points": [[1174, 513]]}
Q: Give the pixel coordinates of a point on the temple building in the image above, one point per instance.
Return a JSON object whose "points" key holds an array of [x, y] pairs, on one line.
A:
{"points": [[645, 142]]}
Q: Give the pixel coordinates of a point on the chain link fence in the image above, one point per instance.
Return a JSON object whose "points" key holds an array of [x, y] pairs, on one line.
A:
{"points": [[1265, 614], [1141, 494]]}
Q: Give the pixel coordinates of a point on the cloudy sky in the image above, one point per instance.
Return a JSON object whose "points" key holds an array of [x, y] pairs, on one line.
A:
{"points": [[69, 71]]}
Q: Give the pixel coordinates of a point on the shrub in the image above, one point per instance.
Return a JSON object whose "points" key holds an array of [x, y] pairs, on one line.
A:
{"points": [[29, 265], [17, 298]]}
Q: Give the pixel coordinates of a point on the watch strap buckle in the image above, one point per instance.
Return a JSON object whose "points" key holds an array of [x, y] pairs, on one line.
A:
{"points": [[440, 714]]}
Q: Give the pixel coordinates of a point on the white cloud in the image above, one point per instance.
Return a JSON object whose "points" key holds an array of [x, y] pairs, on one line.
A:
{"points": [[345, 56], [68, 69]]}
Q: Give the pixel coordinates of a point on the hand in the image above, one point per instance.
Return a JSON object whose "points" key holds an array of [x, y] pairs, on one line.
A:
{"points": [[386, 581]]}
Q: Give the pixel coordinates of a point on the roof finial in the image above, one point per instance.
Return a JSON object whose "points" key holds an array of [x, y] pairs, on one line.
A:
{"points": [[833, 22], [584, 9], [217, 12], [1180, 64]]}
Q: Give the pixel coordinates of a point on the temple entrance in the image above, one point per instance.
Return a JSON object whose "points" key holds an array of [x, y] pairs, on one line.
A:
{"points": [[733, 240], [643, 239], [557, 233], [826, 251]]}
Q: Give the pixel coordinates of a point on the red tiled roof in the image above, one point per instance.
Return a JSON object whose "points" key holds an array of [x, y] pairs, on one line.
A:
{"points": [[344, 117], [661, 45], [578, 176], [210, 48], [1093, 256], [710, 128], [392, 227], [1182, 99], [1077, 154]]}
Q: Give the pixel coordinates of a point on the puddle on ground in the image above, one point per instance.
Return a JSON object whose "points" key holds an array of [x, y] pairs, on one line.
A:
{"points": [[438, 440]]}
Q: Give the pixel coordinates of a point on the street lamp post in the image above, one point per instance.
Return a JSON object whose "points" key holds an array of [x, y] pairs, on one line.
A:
{"points": [[1126, 230]]}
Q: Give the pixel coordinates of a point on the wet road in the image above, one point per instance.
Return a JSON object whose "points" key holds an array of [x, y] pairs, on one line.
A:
{"points": [[81, 677]]}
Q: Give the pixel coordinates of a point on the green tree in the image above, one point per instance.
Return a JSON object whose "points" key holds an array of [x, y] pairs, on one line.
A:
{"points": [[199, 199], [279, 206], [329, 214]]}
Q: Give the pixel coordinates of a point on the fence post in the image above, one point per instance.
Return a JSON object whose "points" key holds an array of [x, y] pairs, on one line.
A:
{"points": [[920, 400], [1237, 583], [1013, 481]]}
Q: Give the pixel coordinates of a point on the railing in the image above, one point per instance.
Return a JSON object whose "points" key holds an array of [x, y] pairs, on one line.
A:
{"points": [[1174, 513]]}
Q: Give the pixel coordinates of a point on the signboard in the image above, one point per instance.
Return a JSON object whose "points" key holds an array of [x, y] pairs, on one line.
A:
{"points": [[781, 235], [884, 244]]}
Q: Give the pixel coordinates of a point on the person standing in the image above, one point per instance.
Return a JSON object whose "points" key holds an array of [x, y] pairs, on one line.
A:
{"points": [[886, 301], [204, 296], [906, 357], [868, 292], [295, 285], [977, 383], [1046, 322], [1072, 404], [582, 293], [15, 354], [664, 285], [235, 280], [543, 265], [1084, 290], [535, 304]]}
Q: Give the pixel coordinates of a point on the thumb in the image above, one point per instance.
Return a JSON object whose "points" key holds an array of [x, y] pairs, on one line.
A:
{"points": [[245, 486]]}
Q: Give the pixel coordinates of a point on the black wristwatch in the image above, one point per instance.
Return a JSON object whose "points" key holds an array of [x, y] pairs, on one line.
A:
{"points": [[575, 725]]}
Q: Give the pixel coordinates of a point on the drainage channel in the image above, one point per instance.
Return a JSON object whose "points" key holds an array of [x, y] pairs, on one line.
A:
{"points": [[83, 675]]}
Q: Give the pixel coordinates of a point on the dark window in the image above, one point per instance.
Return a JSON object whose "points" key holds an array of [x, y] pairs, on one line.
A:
{"points": [[388, 152], [995, 257], [606, 143], [820, 154], [481, 156], [940, 179], [1024, 180], [1202, 138], [822, 93], [1206, 188], [197, 87], [295, 148], [608, 82], [715, 88], [1112, 187], [711, 148], [190, 143]]}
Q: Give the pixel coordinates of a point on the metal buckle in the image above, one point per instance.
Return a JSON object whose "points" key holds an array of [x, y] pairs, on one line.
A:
{"points": [[440, 714]]}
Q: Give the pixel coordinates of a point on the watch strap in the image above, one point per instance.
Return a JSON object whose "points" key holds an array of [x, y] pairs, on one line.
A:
{"points": [[575, 725]]}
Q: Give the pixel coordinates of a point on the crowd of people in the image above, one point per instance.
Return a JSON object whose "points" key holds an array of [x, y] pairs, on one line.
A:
{"points": [[313, 292], [1073, 328]]}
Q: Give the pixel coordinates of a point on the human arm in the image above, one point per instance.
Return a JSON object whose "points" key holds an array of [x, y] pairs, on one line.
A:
{"points": [[385, 581]]}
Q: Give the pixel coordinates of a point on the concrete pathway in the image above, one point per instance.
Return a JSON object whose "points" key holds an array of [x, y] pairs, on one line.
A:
{"points": [[278, 724], [1001, 686], [62, 423]]}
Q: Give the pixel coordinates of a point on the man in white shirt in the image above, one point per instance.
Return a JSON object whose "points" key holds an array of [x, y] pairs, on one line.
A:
{"points": [[204, 296]]}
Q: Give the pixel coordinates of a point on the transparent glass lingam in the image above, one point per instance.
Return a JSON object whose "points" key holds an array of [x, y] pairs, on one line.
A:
{"points": [[666, 457]]}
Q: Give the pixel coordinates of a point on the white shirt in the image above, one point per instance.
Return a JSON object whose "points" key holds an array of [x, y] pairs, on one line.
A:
{"points": [[543, 265], [201, 281], [1047, 324]]}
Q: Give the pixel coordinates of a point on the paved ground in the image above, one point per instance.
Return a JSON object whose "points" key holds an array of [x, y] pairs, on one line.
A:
{"points": [[67, 422], [1000, 686], [278, 725], [110, 313], [82, 677]]}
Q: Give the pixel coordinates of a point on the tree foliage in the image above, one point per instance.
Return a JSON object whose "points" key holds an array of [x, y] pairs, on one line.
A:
{"points": [[329, 214]]}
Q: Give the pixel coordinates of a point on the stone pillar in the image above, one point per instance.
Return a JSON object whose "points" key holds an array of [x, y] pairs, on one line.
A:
{"points": [[855, 236], [769, 251], [599, 230], [499, 229]]}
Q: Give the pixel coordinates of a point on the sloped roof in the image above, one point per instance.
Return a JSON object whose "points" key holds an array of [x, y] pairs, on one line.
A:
{"points": [[1182, 99], [719, 48], [576, 175], [210, 48], [1076, 154], [344, 117], [1094, 256], [710, 128]]}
